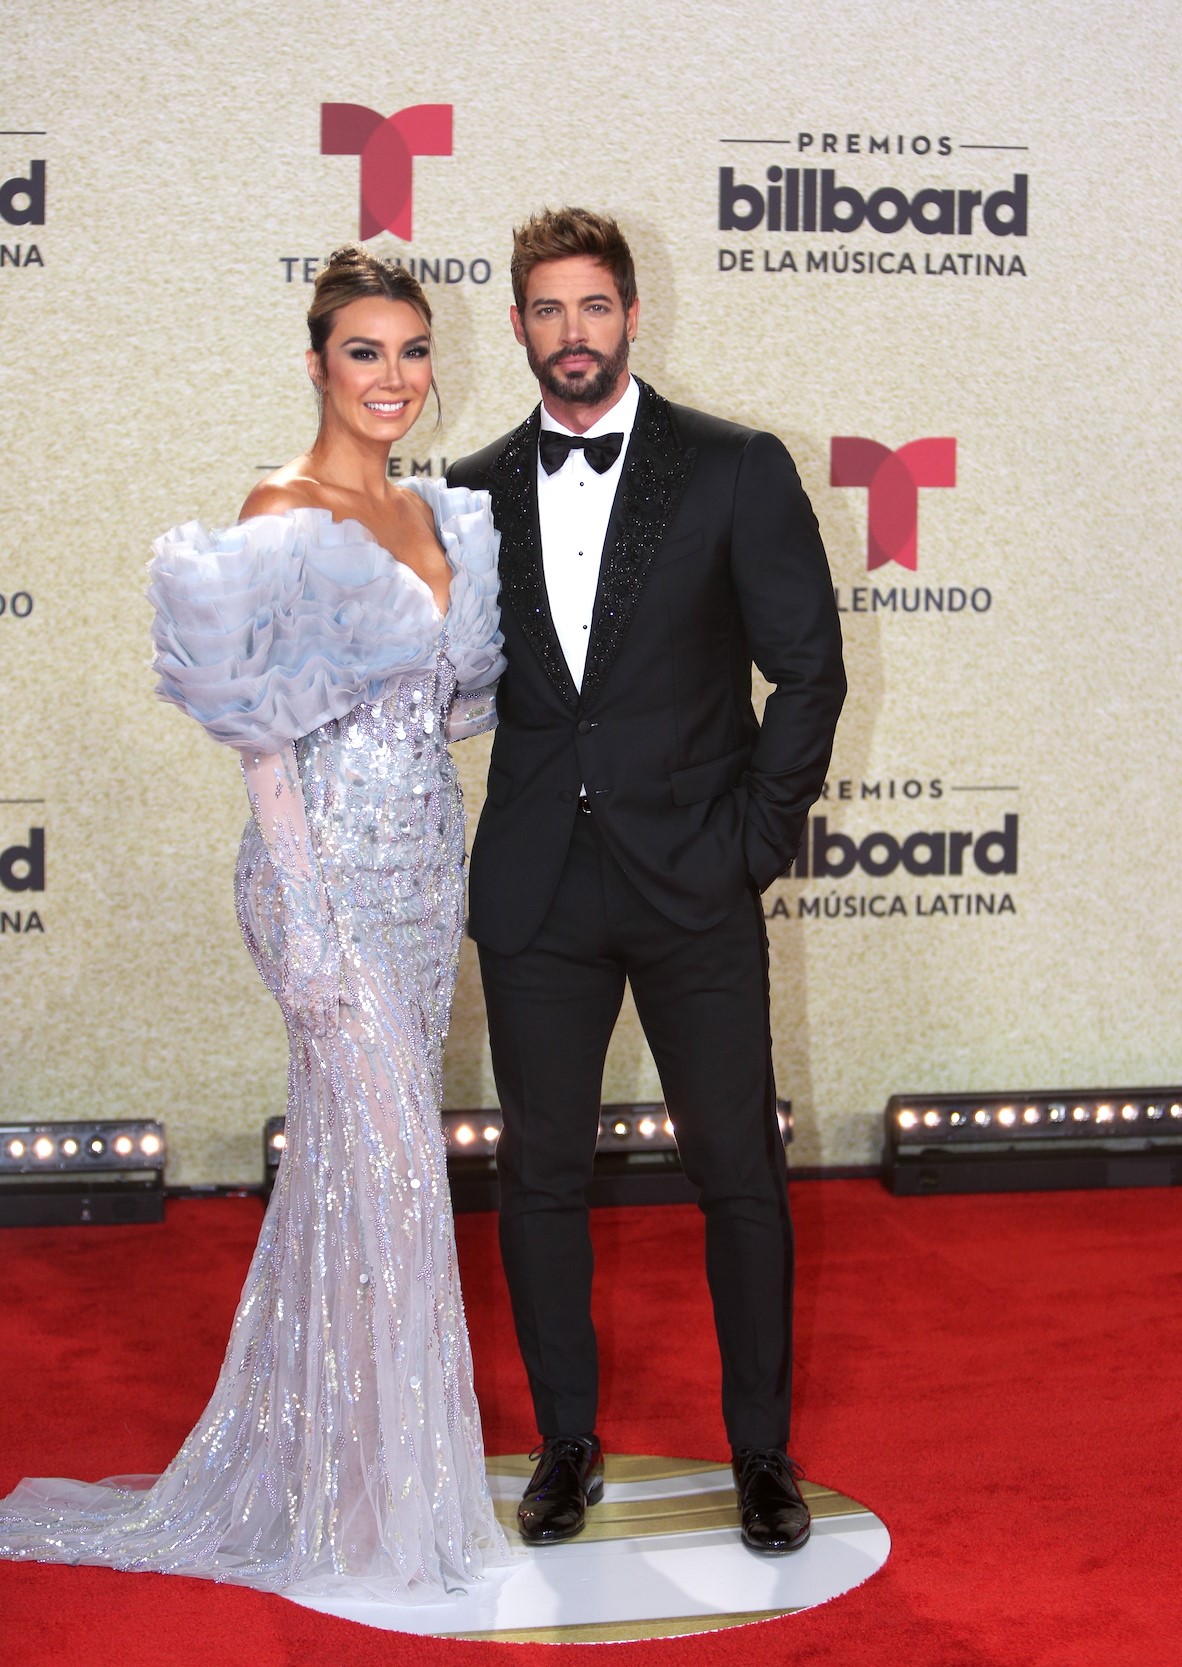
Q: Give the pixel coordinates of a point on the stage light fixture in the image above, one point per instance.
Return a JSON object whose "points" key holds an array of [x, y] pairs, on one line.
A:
{"points": [[1031, 1142], [58, 1174], [274, 1146], [636, 1159]]}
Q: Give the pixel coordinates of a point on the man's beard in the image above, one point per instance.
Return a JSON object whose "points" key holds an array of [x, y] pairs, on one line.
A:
{"points": [[586, 389]]}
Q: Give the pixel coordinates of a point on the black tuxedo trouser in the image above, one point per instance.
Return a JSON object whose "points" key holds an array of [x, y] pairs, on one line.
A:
{"points": [[702, 1000]]}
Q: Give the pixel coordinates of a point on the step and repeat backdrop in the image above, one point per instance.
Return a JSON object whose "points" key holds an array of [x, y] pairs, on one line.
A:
{"points": [[933, 248]]}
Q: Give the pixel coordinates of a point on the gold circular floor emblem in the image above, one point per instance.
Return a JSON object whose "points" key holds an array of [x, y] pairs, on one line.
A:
{"points": [[660, 1557]]}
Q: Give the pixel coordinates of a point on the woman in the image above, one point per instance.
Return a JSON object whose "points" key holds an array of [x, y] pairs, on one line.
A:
{"points": [[337, 637]]}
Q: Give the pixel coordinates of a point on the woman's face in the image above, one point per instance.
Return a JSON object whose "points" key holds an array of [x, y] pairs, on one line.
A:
{"points": [[375, 373]]}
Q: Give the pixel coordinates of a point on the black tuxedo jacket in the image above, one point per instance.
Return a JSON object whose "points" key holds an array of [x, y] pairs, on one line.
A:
{"points": [[712, 560]]}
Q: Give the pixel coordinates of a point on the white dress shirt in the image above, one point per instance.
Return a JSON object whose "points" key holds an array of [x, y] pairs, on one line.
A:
{"points": [[574, 507]]}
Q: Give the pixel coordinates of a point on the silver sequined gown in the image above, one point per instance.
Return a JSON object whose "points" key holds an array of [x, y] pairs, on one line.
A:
{"points": [[341, 1451]]}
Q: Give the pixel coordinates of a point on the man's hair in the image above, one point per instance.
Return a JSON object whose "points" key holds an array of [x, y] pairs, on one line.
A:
{"points": [[559, 233]]}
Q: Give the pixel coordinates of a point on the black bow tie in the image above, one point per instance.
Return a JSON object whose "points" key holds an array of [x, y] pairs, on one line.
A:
{"points": [[601, 450]]}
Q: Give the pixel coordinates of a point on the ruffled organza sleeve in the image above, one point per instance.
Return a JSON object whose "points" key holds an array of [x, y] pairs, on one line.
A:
{"points": [[464, 526], [269, 629]]}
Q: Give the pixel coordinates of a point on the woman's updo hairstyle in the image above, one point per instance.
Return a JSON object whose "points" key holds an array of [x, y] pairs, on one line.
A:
{"points": [[352, 273]]}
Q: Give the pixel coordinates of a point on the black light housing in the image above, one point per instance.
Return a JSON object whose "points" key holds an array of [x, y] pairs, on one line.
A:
{"points": [[85, 1173], [1046, 1140], [636, 1157]]}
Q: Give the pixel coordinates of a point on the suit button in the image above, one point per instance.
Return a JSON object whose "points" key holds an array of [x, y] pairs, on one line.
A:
{"points": [[585, 726], [566, 796]]}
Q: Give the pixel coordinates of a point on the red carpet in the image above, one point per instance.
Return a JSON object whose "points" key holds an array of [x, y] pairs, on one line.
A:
{"points": [[996, 1377]]}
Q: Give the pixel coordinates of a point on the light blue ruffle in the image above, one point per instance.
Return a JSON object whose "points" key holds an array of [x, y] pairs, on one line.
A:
{"points": [[270, 628]]}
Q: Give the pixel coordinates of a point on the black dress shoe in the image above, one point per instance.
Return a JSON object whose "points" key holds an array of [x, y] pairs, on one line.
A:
{"points": [[775, 1518], [569, 1477]]}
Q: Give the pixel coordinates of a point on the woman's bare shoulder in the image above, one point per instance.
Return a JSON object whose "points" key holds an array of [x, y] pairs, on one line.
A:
{"points": [[417, 506], [291, 487]]}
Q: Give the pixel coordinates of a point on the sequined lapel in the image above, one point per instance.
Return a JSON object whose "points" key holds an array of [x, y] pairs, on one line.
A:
{"points": [[523, 586], [655, 474]]}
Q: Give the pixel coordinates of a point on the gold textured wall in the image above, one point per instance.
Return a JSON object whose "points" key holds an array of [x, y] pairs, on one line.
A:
{"points": [[152, 342]]}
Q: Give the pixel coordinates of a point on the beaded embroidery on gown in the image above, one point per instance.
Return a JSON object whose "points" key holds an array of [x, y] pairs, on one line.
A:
{"points": [[341, 1451]]}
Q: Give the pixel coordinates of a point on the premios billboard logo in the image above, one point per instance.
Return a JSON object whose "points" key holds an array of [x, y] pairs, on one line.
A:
{"points": [[811, 200], [386, 148], [873, 204], [22, 873], [915, 859], [22, 206]]}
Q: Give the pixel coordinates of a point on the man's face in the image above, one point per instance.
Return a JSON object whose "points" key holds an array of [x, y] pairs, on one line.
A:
{"points": [[575, 330]]}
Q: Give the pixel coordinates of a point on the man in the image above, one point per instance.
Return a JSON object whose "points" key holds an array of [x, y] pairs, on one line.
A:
{"points": [[635, 811]]}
